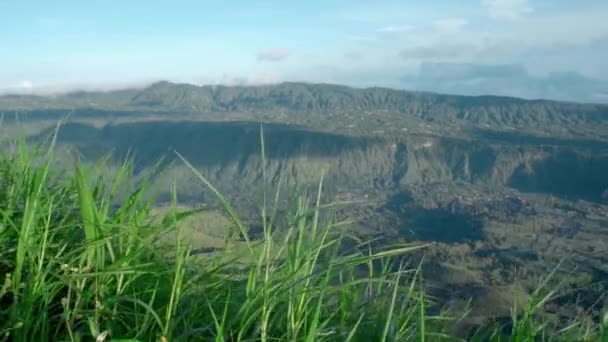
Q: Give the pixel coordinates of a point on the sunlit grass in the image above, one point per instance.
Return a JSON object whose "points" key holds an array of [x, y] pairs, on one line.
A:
{"points": [[86, 256]]}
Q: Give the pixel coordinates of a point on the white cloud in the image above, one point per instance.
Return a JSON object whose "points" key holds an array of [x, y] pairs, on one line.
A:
{"points": [[26, 85], [23, 87], [54, 88], [396, 29], [273, 55], [506, 9], [450, 25]]}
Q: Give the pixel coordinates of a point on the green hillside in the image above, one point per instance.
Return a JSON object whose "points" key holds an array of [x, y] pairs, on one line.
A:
{"points": [[332, 107], [499, 190]]}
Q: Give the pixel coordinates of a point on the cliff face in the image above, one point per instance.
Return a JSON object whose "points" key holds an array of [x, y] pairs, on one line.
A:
{"points": [[229, 154]]}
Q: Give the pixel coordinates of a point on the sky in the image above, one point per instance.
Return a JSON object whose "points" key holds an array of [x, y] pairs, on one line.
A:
{"points": [[528, 48]]}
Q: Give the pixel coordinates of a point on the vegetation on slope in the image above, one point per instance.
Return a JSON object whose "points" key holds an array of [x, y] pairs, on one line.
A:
{"points": [[364, 164], [84, 258], [326, 106]]}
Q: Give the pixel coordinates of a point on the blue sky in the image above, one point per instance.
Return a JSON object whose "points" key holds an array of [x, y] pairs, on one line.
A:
{"points": [[48, 46]]}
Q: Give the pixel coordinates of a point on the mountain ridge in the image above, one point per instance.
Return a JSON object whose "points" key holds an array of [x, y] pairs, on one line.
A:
{"points": [[136, 91], [333, 107]]}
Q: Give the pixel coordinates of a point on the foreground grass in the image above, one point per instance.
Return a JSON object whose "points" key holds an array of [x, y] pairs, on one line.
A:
{"points": [[83, 258]]}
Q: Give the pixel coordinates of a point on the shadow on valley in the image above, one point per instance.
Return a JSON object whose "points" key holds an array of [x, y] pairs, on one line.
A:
{"points": [[228, 153], [60, 114], [519, 138], [436, 224], [572, 168], [566, 174], [202, 143], [441, 225]]}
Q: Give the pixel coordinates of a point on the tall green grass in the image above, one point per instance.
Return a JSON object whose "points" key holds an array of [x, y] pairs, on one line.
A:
{"points": [[82, 258]]}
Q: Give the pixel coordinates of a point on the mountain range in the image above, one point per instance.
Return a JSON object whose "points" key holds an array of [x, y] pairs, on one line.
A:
{"points": [[329, 107], [506, 80]]}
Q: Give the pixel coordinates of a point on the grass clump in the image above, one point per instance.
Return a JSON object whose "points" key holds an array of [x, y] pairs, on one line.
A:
{"points": [[82, 257]]}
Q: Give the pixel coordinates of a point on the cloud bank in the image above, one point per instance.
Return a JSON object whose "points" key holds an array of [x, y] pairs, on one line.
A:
{"points": [[505, 80]]}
